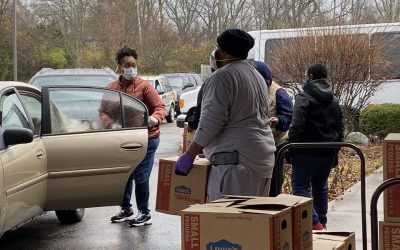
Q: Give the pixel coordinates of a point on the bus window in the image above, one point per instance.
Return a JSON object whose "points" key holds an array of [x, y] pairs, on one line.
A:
{"points": [[390, 51], [275, 46]]}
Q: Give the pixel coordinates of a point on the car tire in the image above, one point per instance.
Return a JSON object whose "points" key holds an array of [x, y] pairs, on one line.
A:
{"points": [[70, 216], [171, 114]]}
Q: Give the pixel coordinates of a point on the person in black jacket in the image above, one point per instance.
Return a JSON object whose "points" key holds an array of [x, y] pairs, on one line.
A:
{"points": [[317, 117]]}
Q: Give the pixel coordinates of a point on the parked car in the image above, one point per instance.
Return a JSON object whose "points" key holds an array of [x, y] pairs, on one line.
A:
{"points": [[98, 78], [182, 83], [84, 77], [167, 94], [187, 101], [56, 154]]}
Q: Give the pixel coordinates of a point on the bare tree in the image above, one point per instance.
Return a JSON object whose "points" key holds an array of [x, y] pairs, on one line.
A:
{"points": [[388, 10], [273, 14], [73, 16], [184, 15], [4, 6]]}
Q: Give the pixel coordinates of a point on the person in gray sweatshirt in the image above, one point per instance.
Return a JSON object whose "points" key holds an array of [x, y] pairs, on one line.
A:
{"points": [[234, 130]]}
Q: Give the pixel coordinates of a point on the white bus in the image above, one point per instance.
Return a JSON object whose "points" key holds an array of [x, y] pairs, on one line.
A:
{"points": [[266, 41]]}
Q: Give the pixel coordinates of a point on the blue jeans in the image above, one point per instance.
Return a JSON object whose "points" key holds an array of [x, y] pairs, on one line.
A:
{"points": [[314, 170], [141, 176]]}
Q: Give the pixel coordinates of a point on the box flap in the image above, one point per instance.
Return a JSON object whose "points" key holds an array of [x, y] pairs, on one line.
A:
{"points": [[393, 137], [204, 208], [172, 158], [335, 233], [335, 236], [221, 203], [271, 201], [294, 198], [327, 244], [239, 197], [266, 211]]}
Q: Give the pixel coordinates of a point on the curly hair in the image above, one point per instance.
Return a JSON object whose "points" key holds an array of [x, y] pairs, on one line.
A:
{"points": [[125, 51]]}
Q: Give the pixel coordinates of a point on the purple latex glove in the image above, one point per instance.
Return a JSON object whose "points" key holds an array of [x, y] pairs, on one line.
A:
{"points": [[184, 164], [201, 155]]}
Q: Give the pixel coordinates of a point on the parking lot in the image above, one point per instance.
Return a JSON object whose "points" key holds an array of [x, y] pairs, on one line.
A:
{"points": [[96, 231]]}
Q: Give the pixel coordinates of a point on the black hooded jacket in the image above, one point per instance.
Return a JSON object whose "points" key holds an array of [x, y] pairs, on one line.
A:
{"points": [[317, 116]]}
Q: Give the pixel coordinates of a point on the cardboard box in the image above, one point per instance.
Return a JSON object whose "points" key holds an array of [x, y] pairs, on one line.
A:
{"points": [[174, 192], [324, 244], [391, 169], [389, 235], [242, 223], [334, 240], [188, 137], [302, 221]]}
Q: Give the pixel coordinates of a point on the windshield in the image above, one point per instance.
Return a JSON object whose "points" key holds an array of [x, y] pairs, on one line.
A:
{"points": [[81, 80], [176, 82]]}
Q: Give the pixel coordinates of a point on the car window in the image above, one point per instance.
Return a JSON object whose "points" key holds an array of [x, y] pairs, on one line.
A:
{"points": [[192, 80], [170, 88], [13, 114], [166, 85], [198, 79], [34, 109], [74, 80], [158, 86], [176, 82], [88, 110], [134, 113]]}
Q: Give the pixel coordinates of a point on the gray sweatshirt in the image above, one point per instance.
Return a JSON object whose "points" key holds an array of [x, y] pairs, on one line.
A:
{"points": [[234, 117]]}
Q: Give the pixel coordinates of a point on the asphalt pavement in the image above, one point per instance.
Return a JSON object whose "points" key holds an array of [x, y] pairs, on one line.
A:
{"points": [[96, 231]]}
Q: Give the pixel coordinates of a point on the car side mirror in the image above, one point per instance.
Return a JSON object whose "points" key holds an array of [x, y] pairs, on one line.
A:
{"points": [[188, 85], [14, 136]]}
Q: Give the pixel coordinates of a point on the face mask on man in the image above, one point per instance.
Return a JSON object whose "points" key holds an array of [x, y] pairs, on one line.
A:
{"points": [[213, 60], [130, 73]]}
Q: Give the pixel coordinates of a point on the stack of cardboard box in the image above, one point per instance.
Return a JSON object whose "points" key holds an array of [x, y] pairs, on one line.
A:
{"points": [[262, 223], [390, 228], [236, 222]]}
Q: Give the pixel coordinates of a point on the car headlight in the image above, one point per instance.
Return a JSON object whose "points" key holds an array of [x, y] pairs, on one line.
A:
{"points": [[181, 103]]}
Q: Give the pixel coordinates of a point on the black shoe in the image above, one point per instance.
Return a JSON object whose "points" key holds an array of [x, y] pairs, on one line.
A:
{"points": [[141, 220], [123, 215]]}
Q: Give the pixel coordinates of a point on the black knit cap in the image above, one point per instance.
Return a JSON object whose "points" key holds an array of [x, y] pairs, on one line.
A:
{"points": [[235, 42]]}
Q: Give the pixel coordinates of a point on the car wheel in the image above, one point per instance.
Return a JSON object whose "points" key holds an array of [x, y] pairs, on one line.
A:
{"points": [[171, 115], [70, 216]]}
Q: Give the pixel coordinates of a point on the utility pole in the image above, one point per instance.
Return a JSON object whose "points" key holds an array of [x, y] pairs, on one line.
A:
{"points": [[15, 39]]}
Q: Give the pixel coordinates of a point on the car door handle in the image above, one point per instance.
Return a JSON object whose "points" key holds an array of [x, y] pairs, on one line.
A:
{"points": [[40, 154], [132, 146]]}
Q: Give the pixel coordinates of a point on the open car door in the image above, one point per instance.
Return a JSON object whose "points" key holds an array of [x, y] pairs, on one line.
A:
{"points": [[94, 139]]}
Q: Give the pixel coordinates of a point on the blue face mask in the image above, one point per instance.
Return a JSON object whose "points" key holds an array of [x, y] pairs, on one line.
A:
{"points": [[130, 73]]}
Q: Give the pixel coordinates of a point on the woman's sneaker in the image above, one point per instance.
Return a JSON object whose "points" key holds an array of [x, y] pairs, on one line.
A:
{"points": [[140, 220], [318, 226], [123, 215]]}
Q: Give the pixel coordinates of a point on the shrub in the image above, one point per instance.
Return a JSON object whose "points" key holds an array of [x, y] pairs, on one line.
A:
{"points": [[380, 120]]}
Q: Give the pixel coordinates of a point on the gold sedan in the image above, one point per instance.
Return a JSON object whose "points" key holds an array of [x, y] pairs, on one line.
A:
{"points": [[57, 153]]}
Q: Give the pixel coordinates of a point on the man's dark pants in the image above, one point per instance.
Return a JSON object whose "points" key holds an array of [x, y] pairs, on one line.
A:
{"points": [[313, 169]]}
